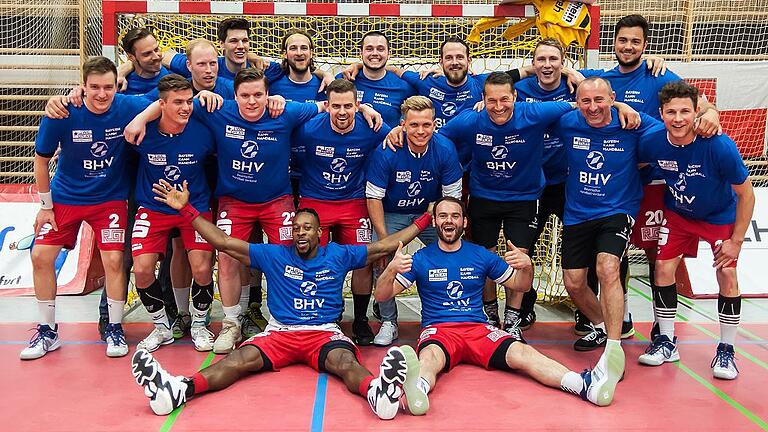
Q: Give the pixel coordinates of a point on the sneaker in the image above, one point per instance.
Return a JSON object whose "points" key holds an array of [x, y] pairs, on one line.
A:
{"points": [[103, 321], [661, 350], [655, 332], [600, 382], [228, 338], [361, 332], [724, 364], [386, 335], [45, 339], [492, 313], [627, 328], [515, 330], [582, 327], [116, 344], [159, 336], [527, 319], [202, 337], [165, 391], [385, 390], [181, 325], [252, 322], [595, 339], [416, 400]]}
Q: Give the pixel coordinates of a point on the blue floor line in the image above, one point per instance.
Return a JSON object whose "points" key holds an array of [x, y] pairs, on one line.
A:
{"points": [[318, 410]]}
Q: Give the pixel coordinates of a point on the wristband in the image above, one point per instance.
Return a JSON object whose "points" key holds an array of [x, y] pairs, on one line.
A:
{"points": [[423, 221], [46, 200], [189, 213]]}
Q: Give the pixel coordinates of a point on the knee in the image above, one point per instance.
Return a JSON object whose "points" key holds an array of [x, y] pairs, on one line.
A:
{"points": [[228, 266], [201, 271], [143, 272], [42, 259], [112, 262], [664, 271], [245, 359], [518, 354], [574, 284], [607, 270]]}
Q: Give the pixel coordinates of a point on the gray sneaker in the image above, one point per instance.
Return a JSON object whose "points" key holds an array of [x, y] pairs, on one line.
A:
{"points": [[386, 335], [181, 325], [228, 338]]}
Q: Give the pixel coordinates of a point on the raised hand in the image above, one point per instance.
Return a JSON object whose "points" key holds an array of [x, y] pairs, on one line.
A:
{"points": [[169, 195], [516, 258], [402, 261]]}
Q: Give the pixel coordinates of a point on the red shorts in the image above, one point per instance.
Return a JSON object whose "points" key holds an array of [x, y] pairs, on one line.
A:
{"points": [[284, 348], [237, 218], [679, 236], [462, 342], [348, 219], [151, 230], [645, 232], [108, 221]]}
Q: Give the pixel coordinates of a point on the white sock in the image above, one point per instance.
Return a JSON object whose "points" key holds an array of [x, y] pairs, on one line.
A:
{"points": [[232, 313], [46, 309], [160, 319], [423, 384], [572, 382], [115, 309], [728, 332], [198, 316], [626, 307], [245, 292], [181, 295], [667, 327]]}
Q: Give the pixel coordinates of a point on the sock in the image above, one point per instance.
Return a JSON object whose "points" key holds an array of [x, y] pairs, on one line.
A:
{"points": [[198, 316], [181, 295], [654, 293], [626, 307], [572, 383], [160, 319], [511, 315], [115, 309], [665, 303], [232, 313], [245, 292], [592, 281], [199, 384], [256, 294], [202, 296], [364, 385], [361, 306], [491, 308], [600, 326], [152, 299], [729, 312], [612, 343], [624, 273], [46, 309], [423, 384]]}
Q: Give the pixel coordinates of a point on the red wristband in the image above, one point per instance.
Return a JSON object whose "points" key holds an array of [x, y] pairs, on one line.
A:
{"points": [[189, 213], [423, 221]]}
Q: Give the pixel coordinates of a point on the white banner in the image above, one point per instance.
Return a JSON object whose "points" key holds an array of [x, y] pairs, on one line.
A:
{"points": [[753, 259]]}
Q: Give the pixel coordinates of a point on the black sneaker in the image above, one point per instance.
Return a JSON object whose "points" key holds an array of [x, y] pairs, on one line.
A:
{"points": [[515, 330], [595, 339], [492, 313], [627, 328], [103, 321], [582, 327], [376, 311], [527, 319], [362, 333]]}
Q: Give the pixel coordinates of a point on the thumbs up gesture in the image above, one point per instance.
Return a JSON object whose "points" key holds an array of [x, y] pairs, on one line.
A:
{"points": [[516, 258], [402, 261]]}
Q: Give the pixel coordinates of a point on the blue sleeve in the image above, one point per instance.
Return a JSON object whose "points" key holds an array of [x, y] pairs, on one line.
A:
{"points": [[730, 165], [273, 72], [131, 106], [357, 256], [480, 78], [591, 72], [456, 129], [200, 113], [258, 256], [382, 134], [378, 168], [179, 65], [648, 125], [152, 95], [304, 111], [547, 112], [49, 135], [668, 77], [450, 169], [413, 79], [496, 268]]}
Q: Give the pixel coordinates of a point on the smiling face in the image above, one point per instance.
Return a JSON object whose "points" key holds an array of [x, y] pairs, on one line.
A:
{"points": [[251, 98], [548, 66], [236, 45], [419, 126], [176, 106], [342, 108], [306, 234], [499, 102], [454, 60], [449, 221], [298, 53], [629, 46], [146, 56], [679, 116], [100, 89], [375, 52], [594, 99]]}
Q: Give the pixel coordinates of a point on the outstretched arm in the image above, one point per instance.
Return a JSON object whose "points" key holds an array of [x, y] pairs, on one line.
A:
{"points": [[389, 244], [386, 285], [179, 200]]}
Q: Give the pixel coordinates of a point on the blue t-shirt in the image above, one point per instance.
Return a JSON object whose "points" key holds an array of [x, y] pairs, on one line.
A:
{"points": [[447, 99], [179, 65], [603, 179], [451, 283], [139, 86], [555, 163], [298, 92], [410, 183], [698, 175], [223, 87], [253, 156], [506, 159], [92, 163], [333, 166], [306, 291], [385, 95], [174, 158]]}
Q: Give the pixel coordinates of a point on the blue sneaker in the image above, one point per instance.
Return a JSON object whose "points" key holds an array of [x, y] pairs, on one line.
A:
{"points": [[46, 339], [660, 351], [115, 337], [724, 364]]}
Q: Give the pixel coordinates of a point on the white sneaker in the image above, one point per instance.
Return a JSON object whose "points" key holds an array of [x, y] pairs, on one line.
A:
{"points": [[159, 336], [661, 350], [605, 376], [202, 337], [386, 335], [386, 390], [228, 338], [46, 339], [416, 400], [116, 344], [724, 364], [165, 391]]}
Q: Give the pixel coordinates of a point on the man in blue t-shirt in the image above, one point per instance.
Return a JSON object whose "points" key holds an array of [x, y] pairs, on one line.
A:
{"points": [[401, 185], [450, 276], [90, 185], [305, 301], [144, 68], [708, 197]]}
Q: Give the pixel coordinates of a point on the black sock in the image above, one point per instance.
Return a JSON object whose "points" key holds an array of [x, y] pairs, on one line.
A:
{"points": [[361, 306], [529, 300], [624, 273], [592, 281], [202, 296], [151, 297], [255, 295]]}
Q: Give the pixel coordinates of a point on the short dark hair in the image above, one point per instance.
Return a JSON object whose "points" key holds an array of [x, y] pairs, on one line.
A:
{"points": [[632, 21], [678, 89], [499, 78], [232, 24], [450, 199], [172, 82], [134, 35], [551, 42], [453, 39], [309, 211], [248, 75], [98, 65], [373, 33], [289, 33], [341, 86]]}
